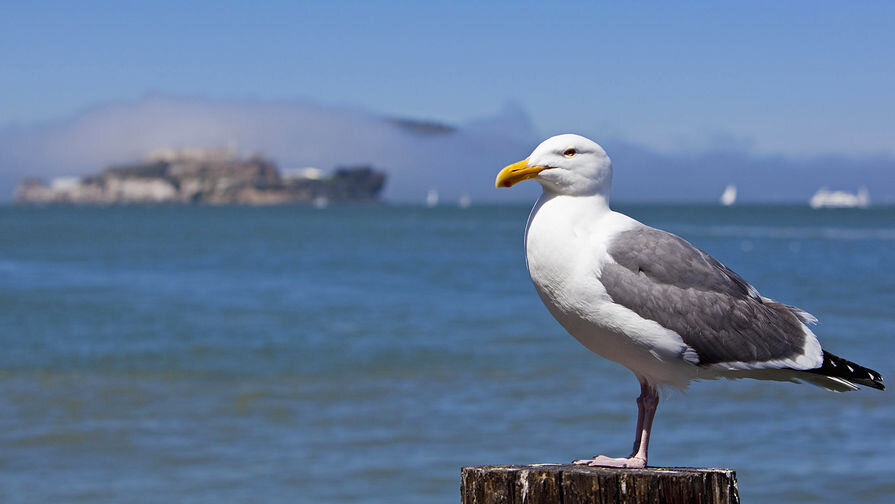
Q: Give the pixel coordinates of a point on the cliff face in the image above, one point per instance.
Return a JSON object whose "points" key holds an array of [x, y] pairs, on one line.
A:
{"points": [[211, 178]]}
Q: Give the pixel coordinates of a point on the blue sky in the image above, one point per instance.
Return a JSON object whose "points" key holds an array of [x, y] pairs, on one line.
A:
{"points": [[794, 78]]}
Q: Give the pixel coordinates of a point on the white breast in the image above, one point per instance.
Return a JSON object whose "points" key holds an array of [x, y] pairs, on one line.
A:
{"points": [[565, 246]]}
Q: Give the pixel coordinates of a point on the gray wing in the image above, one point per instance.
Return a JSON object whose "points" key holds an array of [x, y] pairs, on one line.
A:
{"points": [[664, 278]]}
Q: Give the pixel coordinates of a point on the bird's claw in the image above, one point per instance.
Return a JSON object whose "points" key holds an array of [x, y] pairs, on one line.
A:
{"points": [[604, 461]]}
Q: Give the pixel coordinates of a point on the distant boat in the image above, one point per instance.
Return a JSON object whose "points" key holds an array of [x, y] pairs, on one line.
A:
{"points": [[321, 202], [824, 198], [465, 201], [729, 196], [432, 198]]}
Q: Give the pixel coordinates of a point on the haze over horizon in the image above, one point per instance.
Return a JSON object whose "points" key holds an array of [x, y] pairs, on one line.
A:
{"points": [[778, 99]]}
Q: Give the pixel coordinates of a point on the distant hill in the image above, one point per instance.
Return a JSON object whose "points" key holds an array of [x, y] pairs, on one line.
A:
{"points": [[644, 175], [418, 155], [204, 176]]}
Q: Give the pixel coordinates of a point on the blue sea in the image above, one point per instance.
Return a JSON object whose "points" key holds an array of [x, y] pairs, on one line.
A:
{"points": [[364, 354]]}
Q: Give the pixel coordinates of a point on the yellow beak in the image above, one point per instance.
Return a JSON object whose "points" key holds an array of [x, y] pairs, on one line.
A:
{"points": [[517, 172]]}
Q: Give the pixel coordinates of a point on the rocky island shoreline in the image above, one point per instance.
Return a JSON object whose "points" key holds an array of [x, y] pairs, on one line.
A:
{"points": [[201, 176]]}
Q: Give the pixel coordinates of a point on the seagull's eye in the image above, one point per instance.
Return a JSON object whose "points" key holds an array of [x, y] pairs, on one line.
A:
{"points": [[569, 152]]}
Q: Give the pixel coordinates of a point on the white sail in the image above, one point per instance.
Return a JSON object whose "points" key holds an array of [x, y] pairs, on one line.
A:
{"points": [[729, 196]]}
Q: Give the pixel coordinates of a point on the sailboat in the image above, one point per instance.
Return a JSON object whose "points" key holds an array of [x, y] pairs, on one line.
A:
{"points": [[432, 198], [729, 196], [465, 201]]}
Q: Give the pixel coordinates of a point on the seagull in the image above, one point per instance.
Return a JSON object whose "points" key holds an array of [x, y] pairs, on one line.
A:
{"points": [[649, 300]]}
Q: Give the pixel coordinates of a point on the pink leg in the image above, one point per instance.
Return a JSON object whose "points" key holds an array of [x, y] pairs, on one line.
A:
{"points": [[646, 410]]}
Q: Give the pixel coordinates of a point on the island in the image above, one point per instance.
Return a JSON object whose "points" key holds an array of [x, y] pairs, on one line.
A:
{"points": [[206, 176]]}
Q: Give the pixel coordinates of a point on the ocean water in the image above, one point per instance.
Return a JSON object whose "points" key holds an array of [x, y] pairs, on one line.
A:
{"points": [[364, 354]]}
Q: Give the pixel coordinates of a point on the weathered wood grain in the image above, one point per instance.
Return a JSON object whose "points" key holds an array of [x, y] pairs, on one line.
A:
{"points": [[570, 484]]}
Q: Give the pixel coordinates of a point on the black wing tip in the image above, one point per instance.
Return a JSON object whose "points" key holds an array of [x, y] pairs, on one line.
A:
{"points": [[868, 383], [876, 385], [837, 367]]}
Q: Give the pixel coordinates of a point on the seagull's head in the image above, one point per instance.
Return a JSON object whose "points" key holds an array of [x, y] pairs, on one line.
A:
{"points": [[564, 164]]}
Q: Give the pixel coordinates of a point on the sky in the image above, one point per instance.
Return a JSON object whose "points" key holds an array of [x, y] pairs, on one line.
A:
{"points": [[792, 78]]}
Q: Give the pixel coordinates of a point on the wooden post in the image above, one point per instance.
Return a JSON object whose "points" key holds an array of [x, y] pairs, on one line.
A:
{"points": [[570, 484]]}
